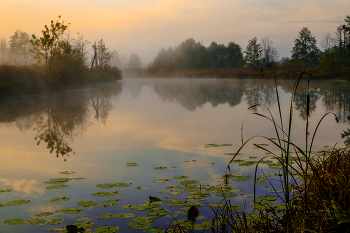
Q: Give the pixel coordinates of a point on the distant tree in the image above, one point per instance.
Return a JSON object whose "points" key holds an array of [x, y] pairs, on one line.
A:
{"points": [[3, 48], [283, 59], [82, 46], [269, 53], [216, 55], [134, 62], [234, 55], [253, 54], [19, 46], [329, 60], [116, 60], [47, 47], [305, 48], [101, 55], [163, 60]]}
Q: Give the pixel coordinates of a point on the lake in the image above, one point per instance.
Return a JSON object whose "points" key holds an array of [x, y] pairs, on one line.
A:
{"points": [[116, 144]]}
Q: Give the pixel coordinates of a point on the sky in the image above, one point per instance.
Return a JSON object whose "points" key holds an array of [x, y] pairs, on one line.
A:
{"points": [[145, 26]]}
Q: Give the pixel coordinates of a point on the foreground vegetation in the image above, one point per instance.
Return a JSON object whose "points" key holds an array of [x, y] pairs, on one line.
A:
{"points": [[53, 61]]}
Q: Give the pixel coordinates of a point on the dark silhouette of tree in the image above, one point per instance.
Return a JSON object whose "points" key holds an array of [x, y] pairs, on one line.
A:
{"points": [[269, 53], [305, 47], [234, 55], [253, 54]]}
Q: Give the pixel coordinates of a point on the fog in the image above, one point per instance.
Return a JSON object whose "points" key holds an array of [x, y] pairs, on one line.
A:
{"points": [[144, 27]]}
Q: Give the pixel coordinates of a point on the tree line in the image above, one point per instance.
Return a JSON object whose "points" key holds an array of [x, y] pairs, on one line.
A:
{"points": [[260, 55]]}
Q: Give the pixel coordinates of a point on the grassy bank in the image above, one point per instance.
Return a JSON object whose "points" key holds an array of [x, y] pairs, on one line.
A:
{"points": [[289, 73], [27, 80]]}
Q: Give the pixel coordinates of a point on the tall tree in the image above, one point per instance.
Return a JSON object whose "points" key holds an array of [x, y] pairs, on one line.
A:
{"points": [[19, 46], [269, 53], [116, 61], [253, 54], [82, 46], [234, 55], [134, 62], [47, 47], [305, 48], [3, 48]]}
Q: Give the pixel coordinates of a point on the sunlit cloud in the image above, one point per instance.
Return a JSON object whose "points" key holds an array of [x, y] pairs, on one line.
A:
{"points": [[23, 185]]}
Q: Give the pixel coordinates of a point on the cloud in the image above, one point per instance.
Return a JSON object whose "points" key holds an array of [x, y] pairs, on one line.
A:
{"points": [[23, 185]]}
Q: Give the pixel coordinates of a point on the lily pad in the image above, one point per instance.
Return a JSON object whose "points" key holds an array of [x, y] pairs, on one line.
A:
{"points": [[252, 157], [210, 163], [180, 177], [272, 174], [71, 210], [44, 214], [108, 205], [132, 164], [105, 216], [2, 205], [78, 178], [57, 181], [82, 219], [67, 172], [107, 229], [140, 188], [88, 204], [139, 225], [226, 195], [57, 186], [248, 163], [162, 180], [17, 202], [105, 186], [268, 198], [121, 185], [84, 224], [55, 221], [124, 215], [263, 144], [186, 182], [106, 194], [5, 190], [216, 145], [260, 180], [175, 193], [238, 161], [58, 199], [173, 167], [113, 200], [160, 168], [143, 219], [36, 221], [14, 221]]}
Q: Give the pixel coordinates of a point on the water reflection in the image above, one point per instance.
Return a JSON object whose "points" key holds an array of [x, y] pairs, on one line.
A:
{"points": [[58, 118]]}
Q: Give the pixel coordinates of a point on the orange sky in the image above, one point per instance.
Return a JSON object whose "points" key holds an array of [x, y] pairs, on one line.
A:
{"points": [[144, 26]]}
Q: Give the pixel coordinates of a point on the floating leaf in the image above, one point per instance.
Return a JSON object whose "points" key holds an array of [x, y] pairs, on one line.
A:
{"points": [[107, 229], [57, 186], [248, 163], [14, 221], [216, 145], [105, 216], [82, 219], [88, 204], [238, 161], [260, 180], [143, 219], [67, 172], [210, 163], [44, 214], [113, 200], [5, 190], [108, 205], [36, 221], [139, 225], [58, 199], [78, 178], [263, 144], [71, 210], [162, 180], [121, 185], [175, 193], [160, 168], [2, 205], [132, 164], [252, 157], [84, 224], [105, 186], [226, 195], [279, 206], [272, 174], [173, 167], [180, 177], [56, 229], [55, 221], [57, 181], [140, 188], [106, 194], [17, 202], [268, 198], [124, 215], [186, 182]]}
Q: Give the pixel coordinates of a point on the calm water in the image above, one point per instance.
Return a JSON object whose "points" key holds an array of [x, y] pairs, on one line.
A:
{"points": [[155, 123]]}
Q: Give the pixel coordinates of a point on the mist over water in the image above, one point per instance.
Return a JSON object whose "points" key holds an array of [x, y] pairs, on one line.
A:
{"points": [[94, 131]]}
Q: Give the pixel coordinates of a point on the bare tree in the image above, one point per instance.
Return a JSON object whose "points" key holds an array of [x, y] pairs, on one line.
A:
{"points": [[101, 55], [269, 52], [328, 41], [82, 46]]}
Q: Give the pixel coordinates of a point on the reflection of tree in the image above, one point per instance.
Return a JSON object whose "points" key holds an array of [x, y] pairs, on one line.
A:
{"points": [[346, 134], [336, 98], [300, 102], [192, 95], [259, 94], [57, 119]]}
